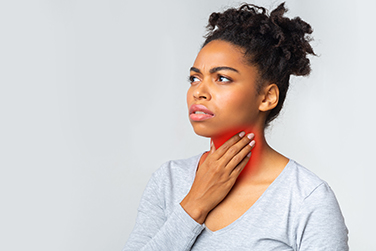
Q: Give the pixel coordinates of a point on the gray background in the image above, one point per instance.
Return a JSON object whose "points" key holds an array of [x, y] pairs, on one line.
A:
{"points": [[92, 101]]}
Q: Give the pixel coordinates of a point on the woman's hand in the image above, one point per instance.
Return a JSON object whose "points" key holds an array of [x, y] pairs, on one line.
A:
{"points": [[217, 175]]}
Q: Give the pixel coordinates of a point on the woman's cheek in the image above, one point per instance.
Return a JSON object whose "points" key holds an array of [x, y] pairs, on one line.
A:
{"points": [[233, 102]]}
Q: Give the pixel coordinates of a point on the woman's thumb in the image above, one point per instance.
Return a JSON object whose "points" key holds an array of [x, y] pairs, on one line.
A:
{"points": [[212, 147]]}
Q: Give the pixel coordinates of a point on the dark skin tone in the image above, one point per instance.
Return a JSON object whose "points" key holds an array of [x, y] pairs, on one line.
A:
{"points": [[228, 182]]}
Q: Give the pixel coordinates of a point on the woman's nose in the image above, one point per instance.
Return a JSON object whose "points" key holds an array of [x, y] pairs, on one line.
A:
{"points": [[202, 91]]}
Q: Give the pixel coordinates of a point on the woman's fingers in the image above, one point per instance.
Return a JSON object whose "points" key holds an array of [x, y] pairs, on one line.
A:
{"points": [[235, 166], [237, 152], [212, 147], [226, 146]]}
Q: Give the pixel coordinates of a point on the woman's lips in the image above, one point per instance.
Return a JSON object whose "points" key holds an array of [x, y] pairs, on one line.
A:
{"points": [[200, 113]]}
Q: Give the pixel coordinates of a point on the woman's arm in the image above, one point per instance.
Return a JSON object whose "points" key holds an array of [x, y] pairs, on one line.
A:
{"points": [[155, 231]]}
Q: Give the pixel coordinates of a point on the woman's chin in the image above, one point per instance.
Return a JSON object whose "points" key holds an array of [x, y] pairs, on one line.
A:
{"points": [[203, 133], [217, 133]]}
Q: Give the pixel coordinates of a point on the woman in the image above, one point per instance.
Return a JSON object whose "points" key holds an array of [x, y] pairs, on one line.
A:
{"points": [[229, 198]]}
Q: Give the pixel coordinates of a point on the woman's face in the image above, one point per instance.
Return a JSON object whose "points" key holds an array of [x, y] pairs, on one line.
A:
{"points": [[222, 98]]}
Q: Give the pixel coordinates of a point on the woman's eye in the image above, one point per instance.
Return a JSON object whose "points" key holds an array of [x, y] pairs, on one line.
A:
{"points": [[223, 79], [193, 79]]}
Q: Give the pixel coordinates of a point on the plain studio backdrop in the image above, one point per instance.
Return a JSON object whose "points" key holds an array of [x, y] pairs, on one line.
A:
{"points": [[92, 101]]}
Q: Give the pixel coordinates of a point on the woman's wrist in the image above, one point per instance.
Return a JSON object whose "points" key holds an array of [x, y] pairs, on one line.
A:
{"points": [[194, 210]]}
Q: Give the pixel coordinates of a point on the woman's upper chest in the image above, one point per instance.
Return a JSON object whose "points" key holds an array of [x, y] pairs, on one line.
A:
{"points": [[236, 204]]}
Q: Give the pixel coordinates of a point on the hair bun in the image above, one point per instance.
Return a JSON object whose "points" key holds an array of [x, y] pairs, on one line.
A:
{"points": [[278, 46], [293, 40]]}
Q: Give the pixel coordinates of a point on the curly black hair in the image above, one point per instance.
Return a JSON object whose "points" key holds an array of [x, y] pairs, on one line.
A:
{"points": [[278, 46]]}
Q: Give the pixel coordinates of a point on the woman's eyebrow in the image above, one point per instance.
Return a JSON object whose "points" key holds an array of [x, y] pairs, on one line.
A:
{"points": [[215, 69], [195, 69], [219, 68]]}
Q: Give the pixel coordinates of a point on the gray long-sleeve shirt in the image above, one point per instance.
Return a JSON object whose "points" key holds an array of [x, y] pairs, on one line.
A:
{"points": [[298, 211]]}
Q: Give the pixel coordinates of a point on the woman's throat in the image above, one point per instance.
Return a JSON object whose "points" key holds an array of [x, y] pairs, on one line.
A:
{"points": [[221, 139], [255, 152]]}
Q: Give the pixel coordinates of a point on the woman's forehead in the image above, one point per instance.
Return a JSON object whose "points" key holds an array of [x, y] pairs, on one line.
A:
{"points": [[219, 53]]}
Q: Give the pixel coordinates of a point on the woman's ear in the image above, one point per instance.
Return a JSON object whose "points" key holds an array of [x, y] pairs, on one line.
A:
{"points": [[270, 98]]}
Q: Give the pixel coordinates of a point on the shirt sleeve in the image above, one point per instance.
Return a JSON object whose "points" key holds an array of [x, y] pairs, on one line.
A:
{"points": [[154, 230], [321, 225]]}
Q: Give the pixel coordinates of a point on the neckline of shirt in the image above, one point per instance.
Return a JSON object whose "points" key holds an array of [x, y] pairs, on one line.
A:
{"points": [[252, 208]]}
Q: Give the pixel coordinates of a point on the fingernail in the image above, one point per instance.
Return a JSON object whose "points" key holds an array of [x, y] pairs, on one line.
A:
{"points": [[252, 143], [251, 136], [241, 134], [249, 154]]}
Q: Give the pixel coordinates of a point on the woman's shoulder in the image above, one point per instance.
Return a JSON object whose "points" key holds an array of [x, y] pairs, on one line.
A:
{"points": [[306, 194], [319, 220], [178, 169], [172, 181], [302, 180]]}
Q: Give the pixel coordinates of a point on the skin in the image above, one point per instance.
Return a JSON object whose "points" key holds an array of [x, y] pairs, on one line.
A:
{"points": [[228, 182]]}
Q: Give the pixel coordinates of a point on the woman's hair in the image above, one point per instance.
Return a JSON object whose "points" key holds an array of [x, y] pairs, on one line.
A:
{"points": [[276, 45]]}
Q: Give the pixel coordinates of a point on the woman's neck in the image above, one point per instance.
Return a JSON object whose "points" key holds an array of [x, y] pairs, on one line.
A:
{"points": [[263, 157]]}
